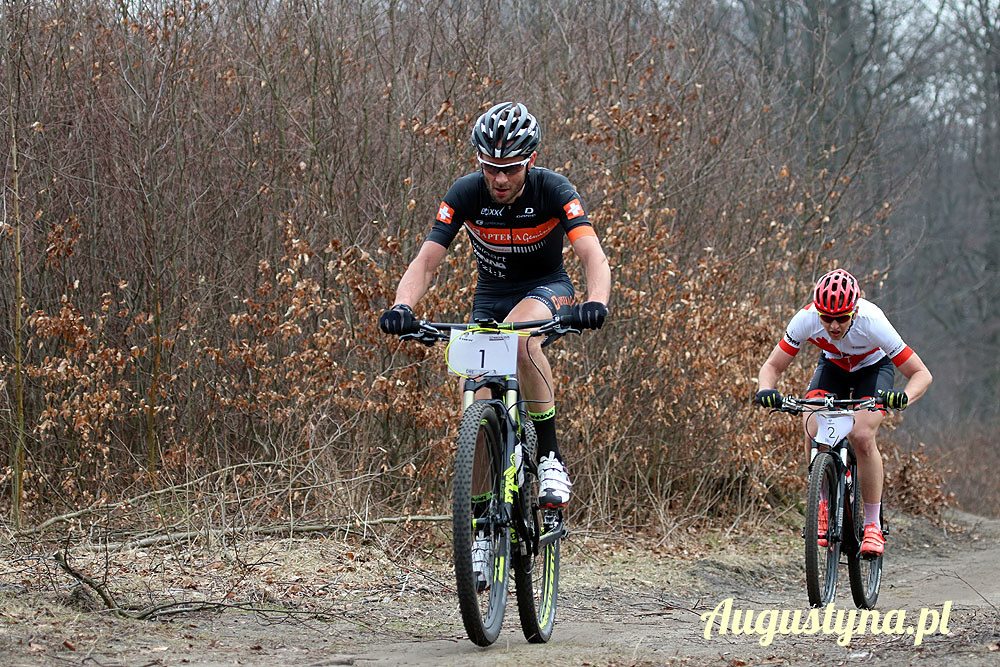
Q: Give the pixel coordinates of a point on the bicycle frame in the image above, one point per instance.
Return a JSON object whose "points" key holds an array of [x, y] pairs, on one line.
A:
{"points": [[832, 466], [505, 398], [513, 455], [834, 422], [494, 437], [513, 451]]}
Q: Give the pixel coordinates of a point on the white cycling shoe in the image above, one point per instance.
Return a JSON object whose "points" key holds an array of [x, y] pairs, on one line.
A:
{"points": [[482, 555], [553, 482]]}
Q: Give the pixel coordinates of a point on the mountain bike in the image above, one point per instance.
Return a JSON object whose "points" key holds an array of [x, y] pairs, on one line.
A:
{"points": [[833, 478], [495, 492]]}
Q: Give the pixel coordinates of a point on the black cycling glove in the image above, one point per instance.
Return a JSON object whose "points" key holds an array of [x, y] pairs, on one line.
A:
{"points": [[398, 320], [769, 398], [894, 400], [588, 315]]}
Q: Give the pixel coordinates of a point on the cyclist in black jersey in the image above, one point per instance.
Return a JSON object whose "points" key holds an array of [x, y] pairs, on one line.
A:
{"points": [[516, 216]]}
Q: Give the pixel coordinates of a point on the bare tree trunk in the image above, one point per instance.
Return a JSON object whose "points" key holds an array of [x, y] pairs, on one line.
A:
{"points": [[17, 453]]}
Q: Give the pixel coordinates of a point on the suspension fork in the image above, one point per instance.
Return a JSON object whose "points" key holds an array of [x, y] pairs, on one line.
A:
{"points": [[839, 455], [505, 399], [503, 457], [841, 465]]}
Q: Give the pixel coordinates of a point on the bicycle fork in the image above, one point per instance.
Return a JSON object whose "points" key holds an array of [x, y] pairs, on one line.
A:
{"points": [[839, 454]]}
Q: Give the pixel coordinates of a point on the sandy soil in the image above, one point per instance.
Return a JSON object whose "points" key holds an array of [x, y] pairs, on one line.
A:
{"points": [[389, 600]]}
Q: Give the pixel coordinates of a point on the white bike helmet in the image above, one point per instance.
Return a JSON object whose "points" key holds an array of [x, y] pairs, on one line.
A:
{"points": [[506, 130]]}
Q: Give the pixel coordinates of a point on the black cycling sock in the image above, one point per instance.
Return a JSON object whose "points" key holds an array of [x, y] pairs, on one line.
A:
{"points": [[545, 427], [480, 505]]}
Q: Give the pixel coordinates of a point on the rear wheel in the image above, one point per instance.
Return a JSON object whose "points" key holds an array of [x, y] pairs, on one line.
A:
{"points": [[477, 495], [865, 573], [536, 575], [821, 550]]}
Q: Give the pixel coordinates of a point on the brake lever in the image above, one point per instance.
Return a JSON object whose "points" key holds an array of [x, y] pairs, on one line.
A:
{"points": [[425, 334], [557, 331], [789, 407], [419, 337]]}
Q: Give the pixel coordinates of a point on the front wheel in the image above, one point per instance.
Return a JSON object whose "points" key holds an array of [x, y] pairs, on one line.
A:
{"points": [[481, 544], [536, 574], [822, 551]]}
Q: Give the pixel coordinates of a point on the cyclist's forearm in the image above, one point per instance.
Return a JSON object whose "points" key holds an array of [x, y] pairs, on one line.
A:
{"points": [[917, 385], [918, 378], [767, 378], [417, 278], [596, 268], [777, 362], [599, 282], [412, 286]]}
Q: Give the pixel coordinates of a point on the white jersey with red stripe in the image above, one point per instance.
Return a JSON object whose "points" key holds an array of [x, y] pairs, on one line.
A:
{"points": [[869, 338]]}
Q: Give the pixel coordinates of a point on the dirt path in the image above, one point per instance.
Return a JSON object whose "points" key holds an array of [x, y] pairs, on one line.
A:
{"points": [[655, 615], [316, 604]]}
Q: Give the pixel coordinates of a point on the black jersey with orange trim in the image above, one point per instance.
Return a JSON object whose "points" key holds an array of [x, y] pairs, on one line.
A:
{"points": [[514, 243]]}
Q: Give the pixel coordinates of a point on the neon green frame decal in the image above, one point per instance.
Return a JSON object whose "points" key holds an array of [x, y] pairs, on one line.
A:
{"points": [[510, 482]]}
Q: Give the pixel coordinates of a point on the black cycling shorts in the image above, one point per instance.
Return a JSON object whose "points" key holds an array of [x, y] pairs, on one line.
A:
{"points": [[861, 383], [497, 303]]}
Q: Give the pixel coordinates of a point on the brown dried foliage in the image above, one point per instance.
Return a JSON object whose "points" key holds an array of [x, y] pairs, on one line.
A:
{"points": [[223, 201]]}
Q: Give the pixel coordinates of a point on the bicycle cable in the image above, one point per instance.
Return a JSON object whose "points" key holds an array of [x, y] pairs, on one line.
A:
{"points": [[552, 394], [524, 333]]}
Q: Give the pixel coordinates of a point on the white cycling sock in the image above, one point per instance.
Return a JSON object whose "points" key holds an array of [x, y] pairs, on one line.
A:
{"points": [[872, 512]]}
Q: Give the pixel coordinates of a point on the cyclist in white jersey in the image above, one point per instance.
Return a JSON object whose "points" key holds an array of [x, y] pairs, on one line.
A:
{"points": [[859, 350]]}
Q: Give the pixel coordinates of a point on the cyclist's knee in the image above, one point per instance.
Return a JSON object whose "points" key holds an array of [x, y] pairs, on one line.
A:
{"points": [[864, 445], [528, 345]]}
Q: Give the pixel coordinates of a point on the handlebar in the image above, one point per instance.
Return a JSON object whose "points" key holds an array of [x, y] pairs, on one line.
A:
{"points": [[797, 406], [429, 333]]}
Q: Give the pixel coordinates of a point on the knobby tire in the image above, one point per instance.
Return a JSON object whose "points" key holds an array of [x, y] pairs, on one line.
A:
{"points": [[821, 561], [482, 612]]}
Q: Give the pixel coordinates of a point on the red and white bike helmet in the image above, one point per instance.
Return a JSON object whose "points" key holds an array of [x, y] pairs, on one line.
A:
{"points": [[836, 293]]}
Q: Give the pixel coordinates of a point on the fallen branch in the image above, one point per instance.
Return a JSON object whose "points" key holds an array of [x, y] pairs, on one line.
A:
{"points": [[62, 518], [172, 608], [103, 507], [974, 589], [60, 558], [289, 530]]}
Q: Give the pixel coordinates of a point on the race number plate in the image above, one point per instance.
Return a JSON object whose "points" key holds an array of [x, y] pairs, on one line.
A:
{"points": [[476, 353], [831, 427]]}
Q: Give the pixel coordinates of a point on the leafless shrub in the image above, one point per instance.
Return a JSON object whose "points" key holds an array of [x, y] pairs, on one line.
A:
{"points": [[222, 199]]}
